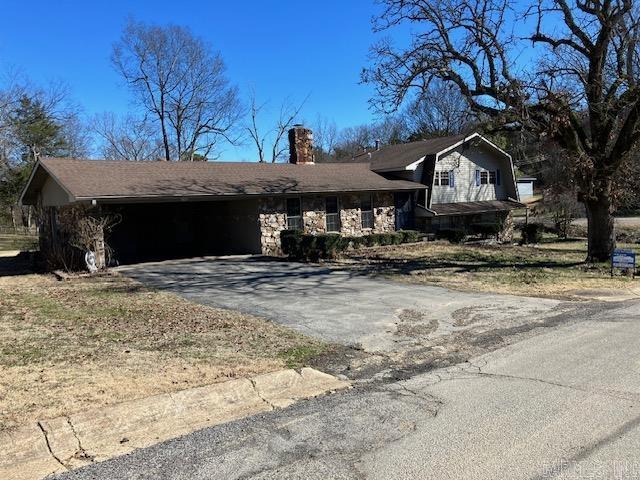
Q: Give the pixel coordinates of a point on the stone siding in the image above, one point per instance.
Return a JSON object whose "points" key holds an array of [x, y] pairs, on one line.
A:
{"points": [[384, 213], [272, 219], [350, 220], [314, 215]]}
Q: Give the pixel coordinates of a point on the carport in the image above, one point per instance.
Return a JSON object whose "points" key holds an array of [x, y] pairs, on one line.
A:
{"points": [[165, 230]]}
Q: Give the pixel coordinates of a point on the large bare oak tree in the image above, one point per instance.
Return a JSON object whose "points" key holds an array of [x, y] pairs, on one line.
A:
{"points": [[566, 70]]}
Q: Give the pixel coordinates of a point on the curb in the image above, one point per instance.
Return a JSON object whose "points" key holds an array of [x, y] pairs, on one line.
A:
{"points": [[64, 443]]}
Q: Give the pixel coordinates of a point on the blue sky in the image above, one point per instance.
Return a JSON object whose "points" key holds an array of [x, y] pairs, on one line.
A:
{"points": [[281, 49]]}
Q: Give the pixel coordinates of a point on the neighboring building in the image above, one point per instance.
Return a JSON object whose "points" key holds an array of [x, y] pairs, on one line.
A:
{"points": [[525, 187], [468, 181], [182, 209]]}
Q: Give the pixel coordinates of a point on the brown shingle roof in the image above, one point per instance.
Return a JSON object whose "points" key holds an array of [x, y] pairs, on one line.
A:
{"points": [[467, 208], [89, 179], [399, 156]]}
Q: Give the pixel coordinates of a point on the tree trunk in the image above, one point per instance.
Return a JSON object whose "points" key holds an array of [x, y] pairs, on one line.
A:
{"points": [[601, 241]]}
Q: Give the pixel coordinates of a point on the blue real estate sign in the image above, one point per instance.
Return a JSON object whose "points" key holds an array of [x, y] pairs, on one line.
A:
{"points": [[623, 259]]}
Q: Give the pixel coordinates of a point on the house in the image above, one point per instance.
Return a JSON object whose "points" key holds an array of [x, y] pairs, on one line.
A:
{"points": [[525, 187], [183, 209], [468, 181]]}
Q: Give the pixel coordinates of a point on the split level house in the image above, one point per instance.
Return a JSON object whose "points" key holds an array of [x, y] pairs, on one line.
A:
{"points": [[184, 209]]}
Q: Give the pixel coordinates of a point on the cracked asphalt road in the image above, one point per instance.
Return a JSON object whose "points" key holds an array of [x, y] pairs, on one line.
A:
{"points": [[561, 404]]}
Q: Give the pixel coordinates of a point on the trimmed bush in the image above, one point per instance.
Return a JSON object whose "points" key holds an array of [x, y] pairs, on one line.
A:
{"points": [[408, 236], [326, 246], [487, 229], [301, 246], [291, 241], [453, 235], [532, 233]]}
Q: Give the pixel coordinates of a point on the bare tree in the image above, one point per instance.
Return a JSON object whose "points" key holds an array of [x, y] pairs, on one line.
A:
{"points": [[352, 141], [127, 138], [179, 80], [325, 134], [439, 111], [577, 86], [275, 135]]}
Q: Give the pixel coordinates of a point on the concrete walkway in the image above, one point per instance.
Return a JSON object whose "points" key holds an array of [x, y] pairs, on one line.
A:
{"points": [[65, 443], [339, 305]]}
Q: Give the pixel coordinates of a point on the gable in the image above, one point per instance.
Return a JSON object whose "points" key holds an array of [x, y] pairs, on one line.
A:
{"points": [[464, 165]]}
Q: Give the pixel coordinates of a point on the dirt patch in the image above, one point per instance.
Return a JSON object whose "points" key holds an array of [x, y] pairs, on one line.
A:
{"points": [[67, 346], [413, 324]]}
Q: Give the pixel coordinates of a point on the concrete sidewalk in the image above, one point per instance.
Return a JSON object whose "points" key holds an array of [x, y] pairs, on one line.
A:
{"points": [[65, 443]]}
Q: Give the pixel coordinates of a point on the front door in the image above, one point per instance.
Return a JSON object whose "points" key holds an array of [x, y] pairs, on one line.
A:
{"points": [[404, 211]]}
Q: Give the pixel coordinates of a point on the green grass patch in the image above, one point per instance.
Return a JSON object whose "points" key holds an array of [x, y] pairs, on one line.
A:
{"points": [[299, 357]]}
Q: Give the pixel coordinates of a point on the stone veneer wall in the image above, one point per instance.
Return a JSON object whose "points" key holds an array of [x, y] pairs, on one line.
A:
{"points": [[314, 215], [273, 219], [384, 213], [350, 222]]}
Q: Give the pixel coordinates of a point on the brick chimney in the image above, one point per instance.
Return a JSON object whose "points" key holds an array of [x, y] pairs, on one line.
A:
{"points": [[301, 145]]}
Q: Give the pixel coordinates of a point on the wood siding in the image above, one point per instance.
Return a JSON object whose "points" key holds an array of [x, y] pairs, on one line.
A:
{"points": [[464, 162]]}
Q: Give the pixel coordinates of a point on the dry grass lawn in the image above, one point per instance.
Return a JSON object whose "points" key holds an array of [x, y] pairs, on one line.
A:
{"points": [[552, 269], [86, 342], [18, 242]]}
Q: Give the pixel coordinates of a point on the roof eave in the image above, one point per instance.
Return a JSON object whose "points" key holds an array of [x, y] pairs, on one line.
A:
{"points": [[231, 196]]}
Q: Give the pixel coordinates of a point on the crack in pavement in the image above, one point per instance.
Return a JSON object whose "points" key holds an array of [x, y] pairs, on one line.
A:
{"points": [[255, 388], [83, 453], [46, 439], [475, 371]]}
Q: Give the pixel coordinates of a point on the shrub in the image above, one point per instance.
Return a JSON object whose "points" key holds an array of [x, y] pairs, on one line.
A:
{"points": [[408, 236], [291, 241], [532, 233], [326, 246], [453, 235], [487, 229], [301, 246]]}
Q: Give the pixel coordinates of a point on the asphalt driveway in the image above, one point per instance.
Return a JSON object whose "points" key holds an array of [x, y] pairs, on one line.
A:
{"points": [[341, 305]]}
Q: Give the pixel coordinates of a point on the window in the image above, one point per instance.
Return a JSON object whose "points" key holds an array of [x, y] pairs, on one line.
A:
{"points": [[366, 211], [485, 177], [294, 214], [332, 214], [442, 179]]}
